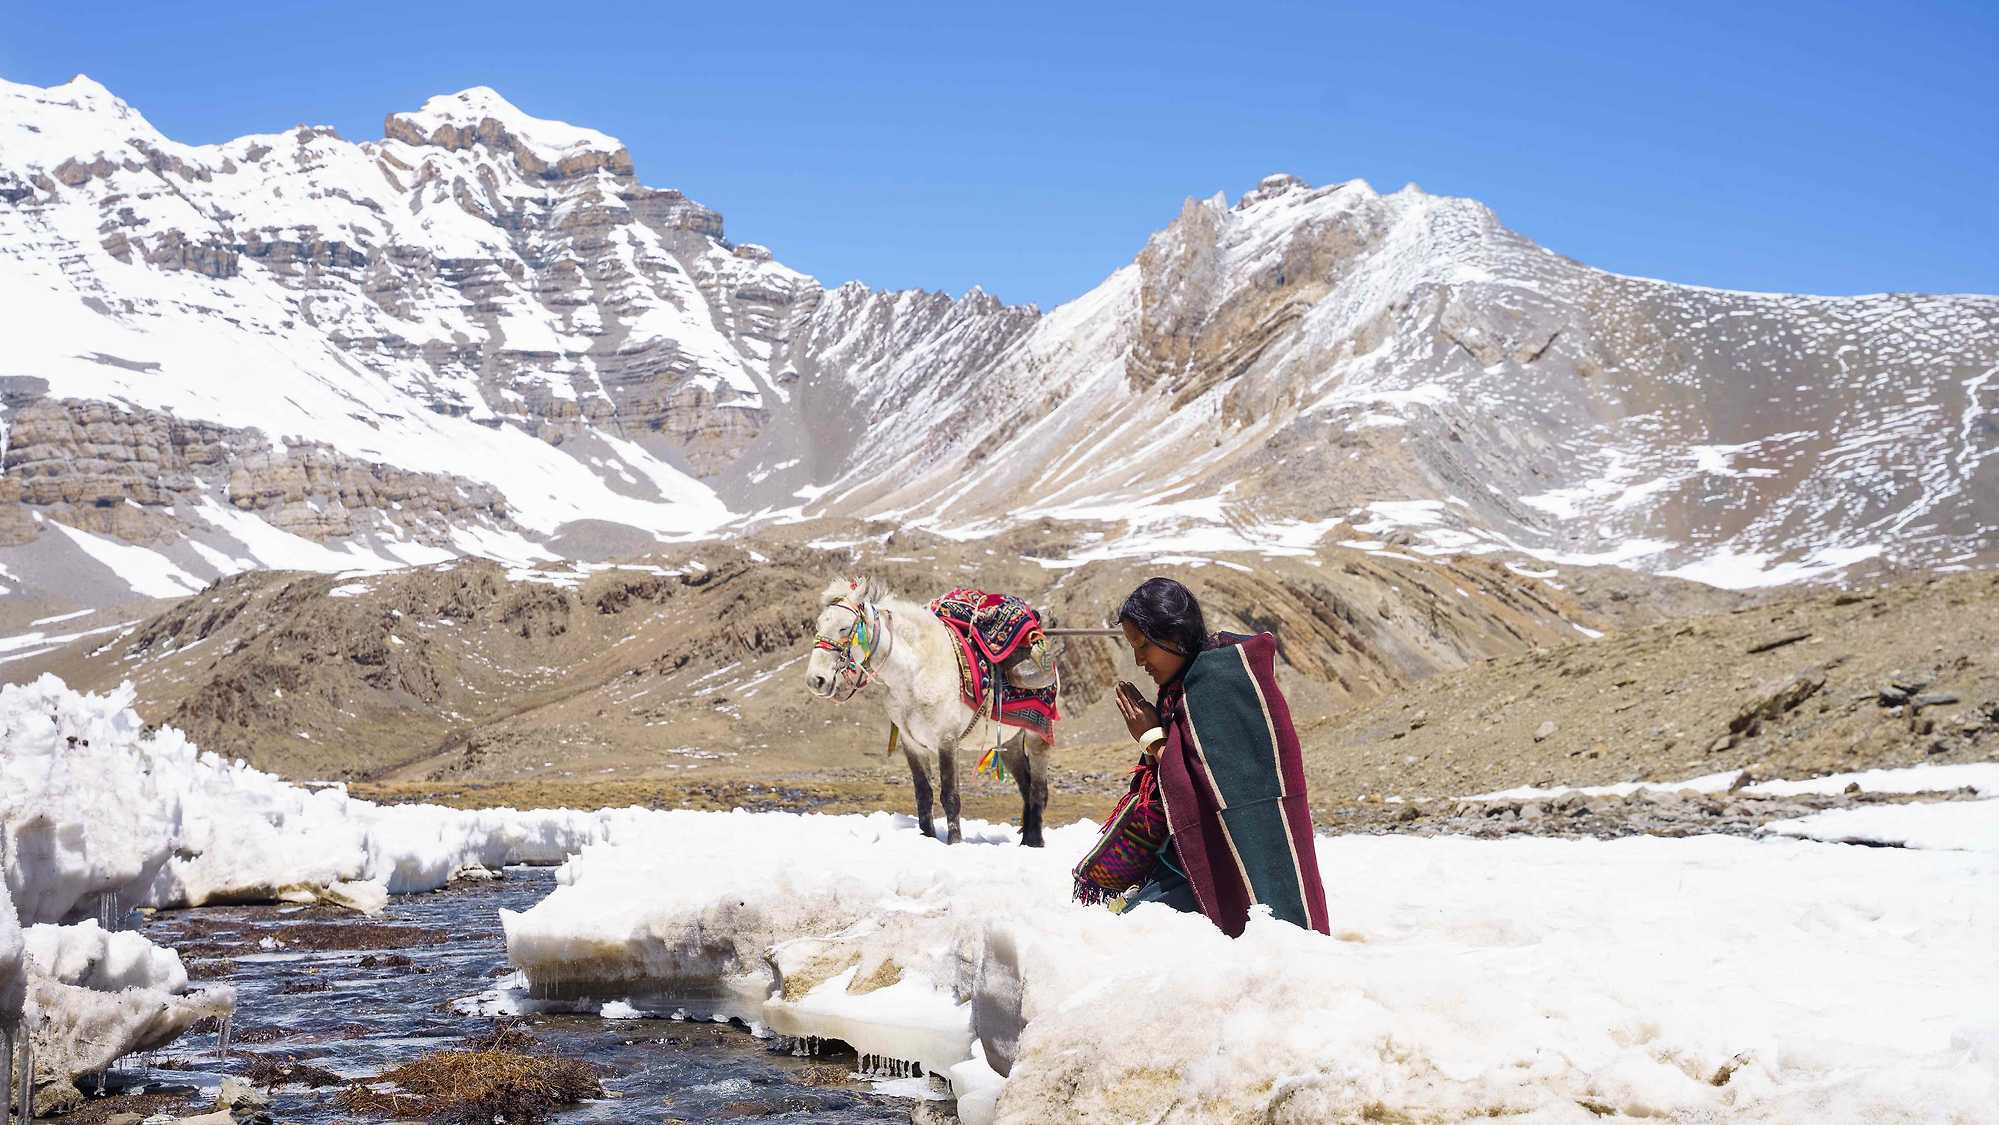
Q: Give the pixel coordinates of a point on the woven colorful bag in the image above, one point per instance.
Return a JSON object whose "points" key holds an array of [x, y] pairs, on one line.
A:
{"points": [[1128, 847]]}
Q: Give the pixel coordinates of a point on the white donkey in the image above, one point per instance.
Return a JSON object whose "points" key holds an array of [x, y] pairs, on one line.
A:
{"points": [[866, 635]]}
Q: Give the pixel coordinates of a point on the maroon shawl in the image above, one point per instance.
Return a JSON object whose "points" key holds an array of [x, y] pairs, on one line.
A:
{"points": [[1233, 781]]}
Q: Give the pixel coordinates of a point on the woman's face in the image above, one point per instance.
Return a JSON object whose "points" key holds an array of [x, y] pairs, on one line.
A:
{"points": [[1158, 663]]}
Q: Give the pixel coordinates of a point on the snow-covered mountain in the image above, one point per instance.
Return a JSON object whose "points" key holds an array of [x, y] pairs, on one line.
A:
{"points": [[478, 335], [482, 335], [1402, 370]]}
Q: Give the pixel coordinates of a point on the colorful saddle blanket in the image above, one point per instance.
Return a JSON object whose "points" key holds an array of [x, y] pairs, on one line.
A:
{"points": [[993, 630]]}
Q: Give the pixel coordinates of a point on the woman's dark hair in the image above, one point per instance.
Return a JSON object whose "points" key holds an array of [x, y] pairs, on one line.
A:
{"points": [[1168, 615]]}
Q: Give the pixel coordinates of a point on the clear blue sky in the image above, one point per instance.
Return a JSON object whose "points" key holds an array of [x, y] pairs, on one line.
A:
{"points": [[1031, 148]]}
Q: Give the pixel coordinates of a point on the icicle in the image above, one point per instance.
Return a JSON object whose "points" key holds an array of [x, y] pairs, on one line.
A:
{"points": [[6, 1078], [27, 1074], [886, 1066], [222, 1036]]}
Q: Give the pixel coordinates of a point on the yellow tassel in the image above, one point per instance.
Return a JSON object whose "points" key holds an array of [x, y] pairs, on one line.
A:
{"points": [[991, 763]]}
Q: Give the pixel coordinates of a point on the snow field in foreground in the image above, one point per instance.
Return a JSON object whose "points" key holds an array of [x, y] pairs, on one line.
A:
{"points": [[1530, 977], [1548, 979]]}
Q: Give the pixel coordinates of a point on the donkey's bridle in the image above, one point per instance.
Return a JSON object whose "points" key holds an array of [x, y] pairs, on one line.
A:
{"points": [[873, 633]]}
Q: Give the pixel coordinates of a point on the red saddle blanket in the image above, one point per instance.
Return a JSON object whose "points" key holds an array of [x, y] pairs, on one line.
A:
{"points": [[992, 630]]}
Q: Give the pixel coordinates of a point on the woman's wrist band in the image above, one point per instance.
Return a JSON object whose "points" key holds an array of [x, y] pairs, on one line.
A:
{"points": [[1146, 740]]}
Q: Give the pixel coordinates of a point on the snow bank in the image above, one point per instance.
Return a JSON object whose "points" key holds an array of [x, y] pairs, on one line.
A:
{"points": [[90, 956], [94, 996], [1971, 826], [93, 809], [1981, 777], [98, 816], [1549, 979], [815, 927], [79, 1030]]}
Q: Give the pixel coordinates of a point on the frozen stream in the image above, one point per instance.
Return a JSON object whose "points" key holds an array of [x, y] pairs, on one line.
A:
{"points": [[325, 1008]]}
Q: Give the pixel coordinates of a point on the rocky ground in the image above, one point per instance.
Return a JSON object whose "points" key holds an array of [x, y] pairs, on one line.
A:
{"points": [[682, 671], [669, 681], [1662, 811], [1809, 683]]}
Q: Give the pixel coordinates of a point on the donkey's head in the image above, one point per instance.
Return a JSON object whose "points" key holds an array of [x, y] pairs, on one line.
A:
{"points": [[841, 643]]}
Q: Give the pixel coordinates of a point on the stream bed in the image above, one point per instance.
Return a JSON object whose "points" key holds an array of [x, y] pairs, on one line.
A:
{"points": [[357, 996]]}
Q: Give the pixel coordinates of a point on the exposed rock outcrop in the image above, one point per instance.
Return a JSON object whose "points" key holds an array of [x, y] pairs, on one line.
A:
{"points": [[139, 475]]}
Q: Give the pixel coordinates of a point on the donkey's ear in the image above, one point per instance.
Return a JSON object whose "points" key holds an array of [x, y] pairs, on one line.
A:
{"points": [[835, 590], [872, 590]]}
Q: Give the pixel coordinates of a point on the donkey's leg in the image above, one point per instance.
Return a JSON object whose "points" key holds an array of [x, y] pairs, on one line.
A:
{"points": [[947, 789], [1025, 774], [1037, 793], [920, 777]]}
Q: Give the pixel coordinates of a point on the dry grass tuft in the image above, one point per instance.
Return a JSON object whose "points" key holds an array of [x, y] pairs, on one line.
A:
{"points": [[477, 1088], [356, 935], [271, 1072], [508, 1033], [884, 974], [370, 1102]]}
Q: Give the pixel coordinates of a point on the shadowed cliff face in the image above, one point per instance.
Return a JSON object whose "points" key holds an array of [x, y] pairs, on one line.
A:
{"points": [[484, 335]]}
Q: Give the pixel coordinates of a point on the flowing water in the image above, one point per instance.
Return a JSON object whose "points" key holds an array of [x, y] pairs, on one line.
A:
{"points": [[334, 1008]]}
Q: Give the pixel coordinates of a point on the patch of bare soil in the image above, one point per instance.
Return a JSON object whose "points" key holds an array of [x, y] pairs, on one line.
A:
{"points": [[1802, 684], [673, 680], [1811, 683], [684, 668]]}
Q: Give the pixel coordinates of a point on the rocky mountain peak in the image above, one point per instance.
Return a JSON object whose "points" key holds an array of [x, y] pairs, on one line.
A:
{"points": [[481, 116], [80, 120], [1272, 186], [84, 88]]}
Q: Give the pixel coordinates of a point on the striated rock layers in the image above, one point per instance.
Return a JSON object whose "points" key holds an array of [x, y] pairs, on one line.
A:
{"points": [[137, 475]]}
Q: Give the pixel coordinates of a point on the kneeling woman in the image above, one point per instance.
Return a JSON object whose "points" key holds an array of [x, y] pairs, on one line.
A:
{"points": [[1229, 771]]}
